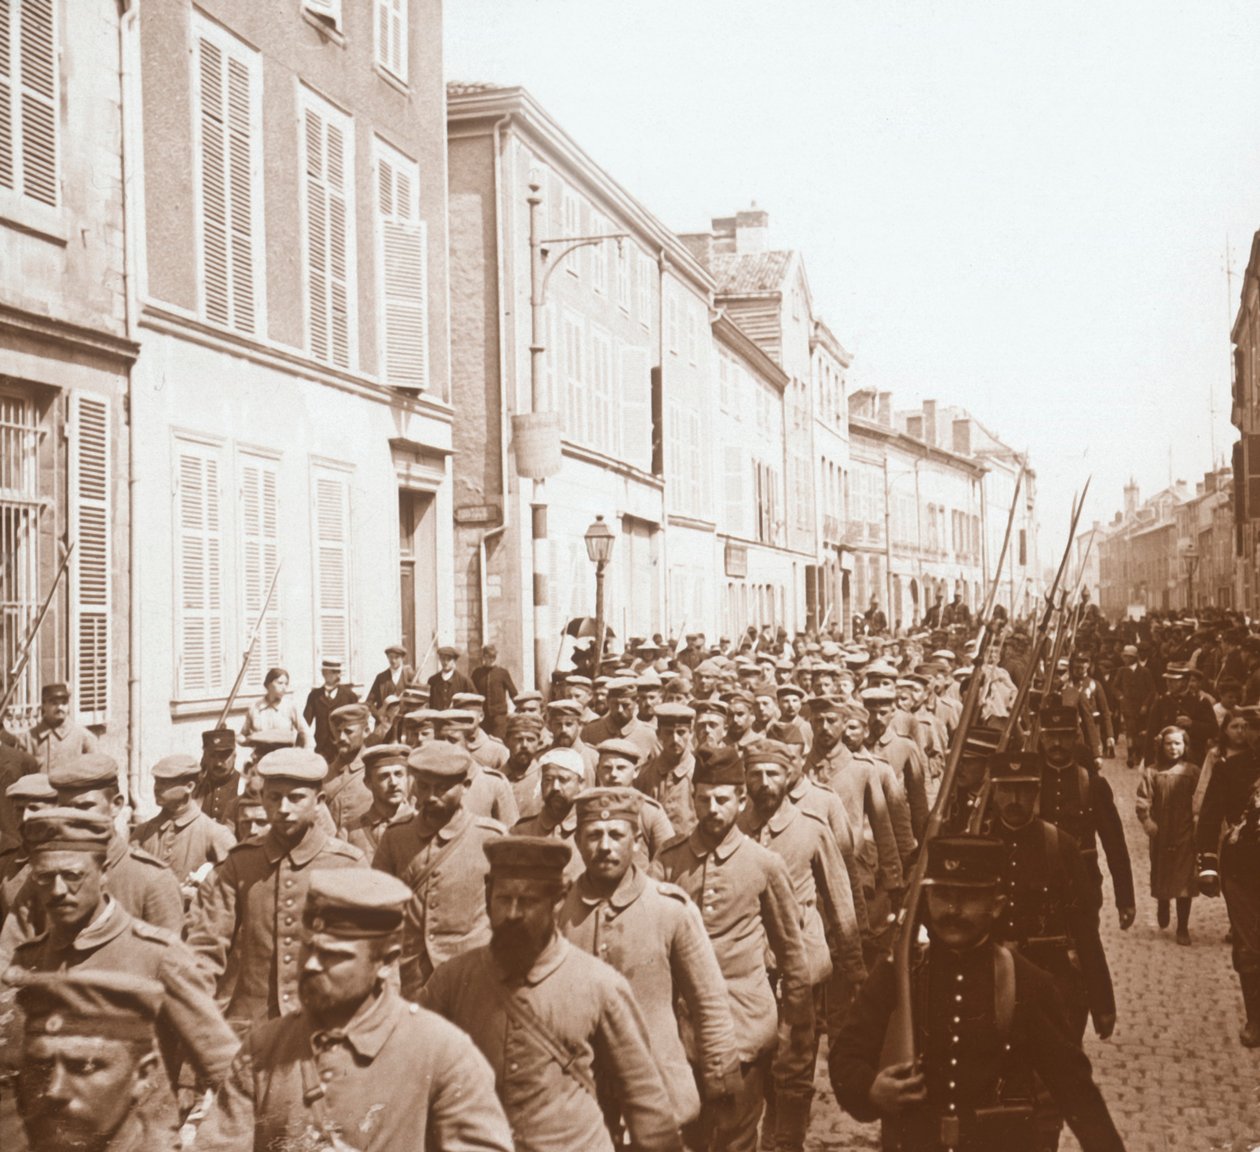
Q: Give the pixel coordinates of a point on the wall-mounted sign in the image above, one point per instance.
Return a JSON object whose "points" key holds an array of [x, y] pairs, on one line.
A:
{"points": [[477, 514]]}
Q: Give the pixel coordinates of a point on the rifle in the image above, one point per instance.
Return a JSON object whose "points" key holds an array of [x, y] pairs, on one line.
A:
{"points": [[420, 666], [249, 650], [24, 653]]}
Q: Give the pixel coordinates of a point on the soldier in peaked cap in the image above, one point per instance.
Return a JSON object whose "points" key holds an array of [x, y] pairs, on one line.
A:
{"points": [[181, 835], [618, 764], [386, 779], [322, 702], [666, 777], [903, 755], [709, 726], [986, 1021], [388, 1072], [653, 935], [55, 737], [438, 855], [622, 722], [489, 793], [345, 793], [489, 751], [220, 783], [564, 724], [249, 906], [88, 1064], [30, 793], [1079, 801], [791, 700], [524, 735], [560, 1028]]}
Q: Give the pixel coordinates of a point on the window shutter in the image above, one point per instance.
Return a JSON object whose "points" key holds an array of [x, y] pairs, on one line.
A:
{"points": [[89, 572], [260, 552], [403, 255], [391, 36], [8, 53], [28, 99], [332, 567], [199, 580], [328, 164], [636, 408]]}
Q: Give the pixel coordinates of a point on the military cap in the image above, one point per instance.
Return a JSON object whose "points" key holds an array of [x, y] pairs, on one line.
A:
{"points": [[711, 708], [398, 650], [882, 668], [67, 830], [855, 659], [523, 722], [414, 696], [823, 705], [785, 733], [381, 754], [878, 694], [981, 741], [767, 752], [853, 712], [718, 766], [218, 740], [708, 667], [91, 770], [1057, 718], [293, 764], [647, 679], [911, 680], [421, 716], [176, 767], [1016, 767], [601, 681], [93, 1002], [737, 696], [528, 697], [567, 759], [974, 861], [944, 654], [52, 692], [674, 715], [1176, 671], [272, 738], [527, 857], [765, 688], [468, 700], [621, 749], [564, 708], [1129, 650], [930, 668], [351, 713], [676, 685], [440, 759], [576, 678], [621, 686], [609, 804], [790, 690], [32, 786], [449, 651], [457, 717], [355, 903], [330, 665], [963, 672]]}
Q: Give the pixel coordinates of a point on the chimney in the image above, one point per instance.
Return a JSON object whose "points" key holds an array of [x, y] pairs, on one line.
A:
{"points": [[962, 437], [862, 404], [914, 426], [724, 234], [1130, 498], [752, 230], [883, 412], [929, 422], [700, 245]]}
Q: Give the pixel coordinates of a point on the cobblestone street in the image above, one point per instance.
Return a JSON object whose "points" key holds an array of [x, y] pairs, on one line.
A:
{"points": [[1174, 1075]]}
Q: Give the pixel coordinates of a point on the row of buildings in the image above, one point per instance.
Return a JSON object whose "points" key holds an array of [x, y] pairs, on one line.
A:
{"points": [[280, 307]]}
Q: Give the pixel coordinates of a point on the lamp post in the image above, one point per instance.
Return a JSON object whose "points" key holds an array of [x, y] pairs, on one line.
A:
{"points": [[599, 546]]}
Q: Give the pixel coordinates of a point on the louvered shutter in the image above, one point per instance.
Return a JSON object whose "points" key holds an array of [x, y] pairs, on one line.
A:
{"points": [[199, 580], [8, 123], [327, 159], [332, 567], [403, 255], [28, 99], [90, 505], [260, 552], [635, 394], [391, 36]]}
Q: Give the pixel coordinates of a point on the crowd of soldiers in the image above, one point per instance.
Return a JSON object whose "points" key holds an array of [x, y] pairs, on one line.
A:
{"points": [[456, 915]]}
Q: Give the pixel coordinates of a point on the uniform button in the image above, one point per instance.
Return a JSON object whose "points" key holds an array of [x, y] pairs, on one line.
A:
{"points": [[512, 1067], [326, 1075], [957, 1019], [952, 1084], [289, 902], [958, 998], [288, 959], [954, 1060], [288, 919], [959, 977]]}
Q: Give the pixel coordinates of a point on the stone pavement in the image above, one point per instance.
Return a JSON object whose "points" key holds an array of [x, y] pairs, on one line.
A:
{"points": [[1173, 1074]]}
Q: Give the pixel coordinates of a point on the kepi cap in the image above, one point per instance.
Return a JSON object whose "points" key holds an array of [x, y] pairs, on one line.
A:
{"points": [[716, 766], [87, 1002], [293, 764], [218, 740], [527, 857], [971, 861], [51, 692], [67, 830], [91, 770], [609, 804]]}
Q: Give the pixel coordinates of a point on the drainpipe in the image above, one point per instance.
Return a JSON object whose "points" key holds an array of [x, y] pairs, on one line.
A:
{"points": [[662, 266]]}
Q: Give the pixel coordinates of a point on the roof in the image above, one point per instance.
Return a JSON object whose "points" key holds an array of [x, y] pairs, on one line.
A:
{"points": [[738, 275]]}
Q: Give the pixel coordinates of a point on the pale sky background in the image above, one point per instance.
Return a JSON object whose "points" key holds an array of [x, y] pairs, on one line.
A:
{"points": [[1020, 207]]}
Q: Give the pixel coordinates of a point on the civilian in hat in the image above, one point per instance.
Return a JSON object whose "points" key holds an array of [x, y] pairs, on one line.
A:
{"points": [[745, 899], [392, 680], [903, 755], [820, 883], [524, 732], [1079, 801], [447, 680], [564, 724], [653, 935], [666, 777], [181, 835], [489, 751], [322, 702], [563, 777], [552, 998], [88, 1071], [489, 793], [219, 785], [387, 783], [395, 1078], [248, 908], [622, 722], [1180, 706], [276, 709], [54, 736], [88, 930], [495, 683], [712, 719], [27, 794], [344, 791], [437, 854], [618, 763], [991, 1020]]}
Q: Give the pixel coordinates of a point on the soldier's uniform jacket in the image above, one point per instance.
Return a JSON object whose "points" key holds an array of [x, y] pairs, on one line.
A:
{"points": [[810, 796], [219, 797], [817, 872], [566, 829], [965, 1055], [1051, 915], [446, 870], [641, 735], [670, 786], [488, 751], [490, 795], [526, 790], [347, 795], [1081, 803], [185, 843], [745, 899], [589, 1011], [15, 866], [366, 830], [395, 1079], [250, 910], [655, 830], [653, 935], [910, 765], [189, 1023], [51, 745]]}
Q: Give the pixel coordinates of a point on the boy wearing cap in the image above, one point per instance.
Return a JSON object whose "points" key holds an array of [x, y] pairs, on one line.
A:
{"points": [[388, 786], [447, 680], [561, 1029], [55, 737], [357, 1066], [653, 935], [248, 908], [666, 777], [322, 702], [181, 835], [390, 681], [220, 783], [985, 1021]]}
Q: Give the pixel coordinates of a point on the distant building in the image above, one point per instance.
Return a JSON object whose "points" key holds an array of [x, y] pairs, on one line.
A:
{"points": [[1245, 416]]}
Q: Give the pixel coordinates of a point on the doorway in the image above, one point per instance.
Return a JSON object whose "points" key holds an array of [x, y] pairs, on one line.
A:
{"points": [[417, 565]]}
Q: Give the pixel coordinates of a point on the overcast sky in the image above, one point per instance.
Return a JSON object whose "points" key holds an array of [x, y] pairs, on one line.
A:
{"points": [[1018, 207]]}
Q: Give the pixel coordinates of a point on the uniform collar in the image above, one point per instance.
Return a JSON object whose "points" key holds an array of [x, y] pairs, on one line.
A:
{"points": [[551, 957], [626, 893], [111, 922], [373, 1023], [302, 853], [685, 767], [454, 826], [567, 826], [723, 851], [183, 821], [116, 851], [780, 818]]}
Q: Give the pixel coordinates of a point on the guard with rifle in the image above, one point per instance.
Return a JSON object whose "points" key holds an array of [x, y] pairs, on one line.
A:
{"points": [[219, 786], [986, 1023], [55, 738]]}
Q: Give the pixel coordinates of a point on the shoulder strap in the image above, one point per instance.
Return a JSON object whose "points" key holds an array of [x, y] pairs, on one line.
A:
{"points": [[528, 1022], [417, 880], [1003, 992]]}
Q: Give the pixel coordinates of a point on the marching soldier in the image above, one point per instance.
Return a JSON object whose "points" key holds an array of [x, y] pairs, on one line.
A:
{"points": [[618, 760], [791, 699], [739, 726], [622, 722], [561, 1029], [385, 777], [1094, 698], [55, 737], [986, 1020], [27, 794], [181, 835], [344, 791], [563, 777], [666, 777], [903, 755], [524, 734], [438, 855], [489, 793], [322, 702], [489, 751], [710, 724], [653, 935], [564, 724], [219, 787], [248, 908], [358, 1066]]}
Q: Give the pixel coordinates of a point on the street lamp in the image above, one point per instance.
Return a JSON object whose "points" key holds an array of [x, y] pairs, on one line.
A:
{"points": [[599, 547]]}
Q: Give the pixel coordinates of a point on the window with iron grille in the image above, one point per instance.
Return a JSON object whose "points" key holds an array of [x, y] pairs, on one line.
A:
{"points": [[19, 543]]}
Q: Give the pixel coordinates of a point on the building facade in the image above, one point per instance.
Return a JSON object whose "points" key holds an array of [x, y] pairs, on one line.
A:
{"points": [[1245, 416], [833, 573], [288, 224]]}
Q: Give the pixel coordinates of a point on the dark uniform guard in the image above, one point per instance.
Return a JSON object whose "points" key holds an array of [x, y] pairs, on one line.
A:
{"points": [[219, 788], [55, 737], [985, 1021]]}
